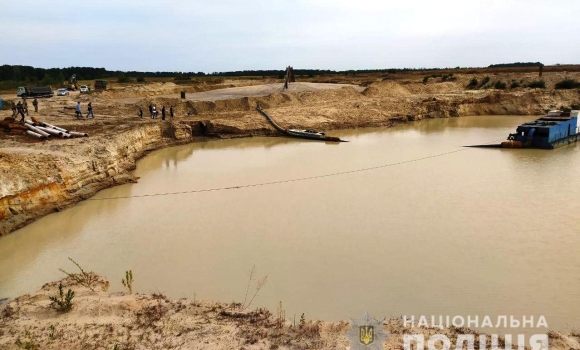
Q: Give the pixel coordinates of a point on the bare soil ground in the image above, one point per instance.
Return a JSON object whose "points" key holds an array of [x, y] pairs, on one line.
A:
{"points": [[99, 320]]}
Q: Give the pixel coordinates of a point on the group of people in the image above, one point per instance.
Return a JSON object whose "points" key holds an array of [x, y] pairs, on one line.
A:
{"points": [[79, 111], [22, 108], [154, 113]]}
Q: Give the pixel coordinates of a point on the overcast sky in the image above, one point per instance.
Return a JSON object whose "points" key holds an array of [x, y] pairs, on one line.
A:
{"points": [[227, 35]]}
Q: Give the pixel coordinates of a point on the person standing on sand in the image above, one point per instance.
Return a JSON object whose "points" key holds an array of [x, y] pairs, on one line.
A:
{"points": [[14, 111], [140, 112], [151, 110], [90, 108], [78, 111], [171, 112], [154, 112], [35, 104], [20, 110], [25, 105], [163, 113]]}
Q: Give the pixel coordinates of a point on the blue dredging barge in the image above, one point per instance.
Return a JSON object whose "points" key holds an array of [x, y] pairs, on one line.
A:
{"points": [[554, 130]]}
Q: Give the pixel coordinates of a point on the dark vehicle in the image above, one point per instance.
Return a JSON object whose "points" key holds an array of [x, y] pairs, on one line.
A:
{"points": [[34, 91], [101, 84]]}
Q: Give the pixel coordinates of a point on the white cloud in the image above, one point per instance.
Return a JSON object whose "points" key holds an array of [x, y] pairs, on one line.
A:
{"points": [[223, 35]]}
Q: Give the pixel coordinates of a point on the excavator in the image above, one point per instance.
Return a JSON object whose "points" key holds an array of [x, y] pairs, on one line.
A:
{"points": [[71, 83]]}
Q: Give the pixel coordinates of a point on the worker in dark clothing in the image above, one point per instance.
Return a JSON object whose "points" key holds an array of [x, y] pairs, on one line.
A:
{"points": [[14, 112], [90, 109], [163, 113], [171, 112], [154, 112], [35, 104], [140, 112], [20, 110], [151, 110]]}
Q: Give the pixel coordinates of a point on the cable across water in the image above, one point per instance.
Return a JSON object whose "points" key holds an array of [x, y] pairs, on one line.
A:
{"points": [[226, 188]]}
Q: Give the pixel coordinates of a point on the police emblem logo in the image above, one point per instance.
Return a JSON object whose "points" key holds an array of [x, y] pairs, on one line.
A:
{"points": [[366, 334]]}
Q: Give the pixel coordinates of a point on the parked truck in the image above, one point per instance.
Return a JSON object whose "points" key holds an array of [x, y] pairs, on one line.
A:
{"points": [[34, 91], [101, 84]]}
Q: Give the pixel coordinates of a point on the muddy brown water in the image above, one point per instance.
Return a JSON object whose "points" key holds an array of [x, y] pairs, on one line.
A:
{"points": [[473, 232]]}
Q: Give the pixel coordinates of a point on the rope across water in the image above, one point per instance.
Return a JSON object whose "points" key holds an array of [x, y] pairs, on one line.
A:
{"points": [[215, 189]]}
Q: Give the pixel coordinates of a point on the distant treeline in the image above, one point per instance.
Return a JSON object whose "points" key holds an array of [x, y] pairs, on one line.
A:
{"points": [[516, 64], [16, 75], [31, 74], [312, 72]]}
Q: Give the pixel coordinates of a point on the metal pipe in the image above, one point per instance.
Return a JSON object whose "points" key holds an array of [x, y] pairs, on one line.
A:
{"points": [[46, 125], [78, 134], [32, 133], [51, 131], [37, 130]]}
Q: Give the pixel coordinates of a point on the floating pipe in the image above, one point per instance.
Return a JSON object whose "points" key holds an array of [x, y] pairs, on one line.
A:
{"points": [[78, 134], [486, 146], [32, 133], [51, 131], [37, 130], [333, 139], [289, 132], [511, 144]]}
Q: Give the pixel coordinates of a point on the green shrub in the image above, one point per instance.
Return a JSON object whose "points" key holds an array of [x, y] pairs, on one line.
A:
{"points": [[128, 281], [472, 83], [122, 78], [499, 85], [514, 85], [62, 302], [537, 84], [425, 80], [567, 84], [88, 279], [448, 77], [140, 79], [484, 81]]}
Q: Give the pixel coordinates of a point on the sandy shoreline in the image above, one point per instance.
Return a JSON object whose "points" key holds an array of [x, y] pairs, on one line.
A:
{"points": [[102, 320]]}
